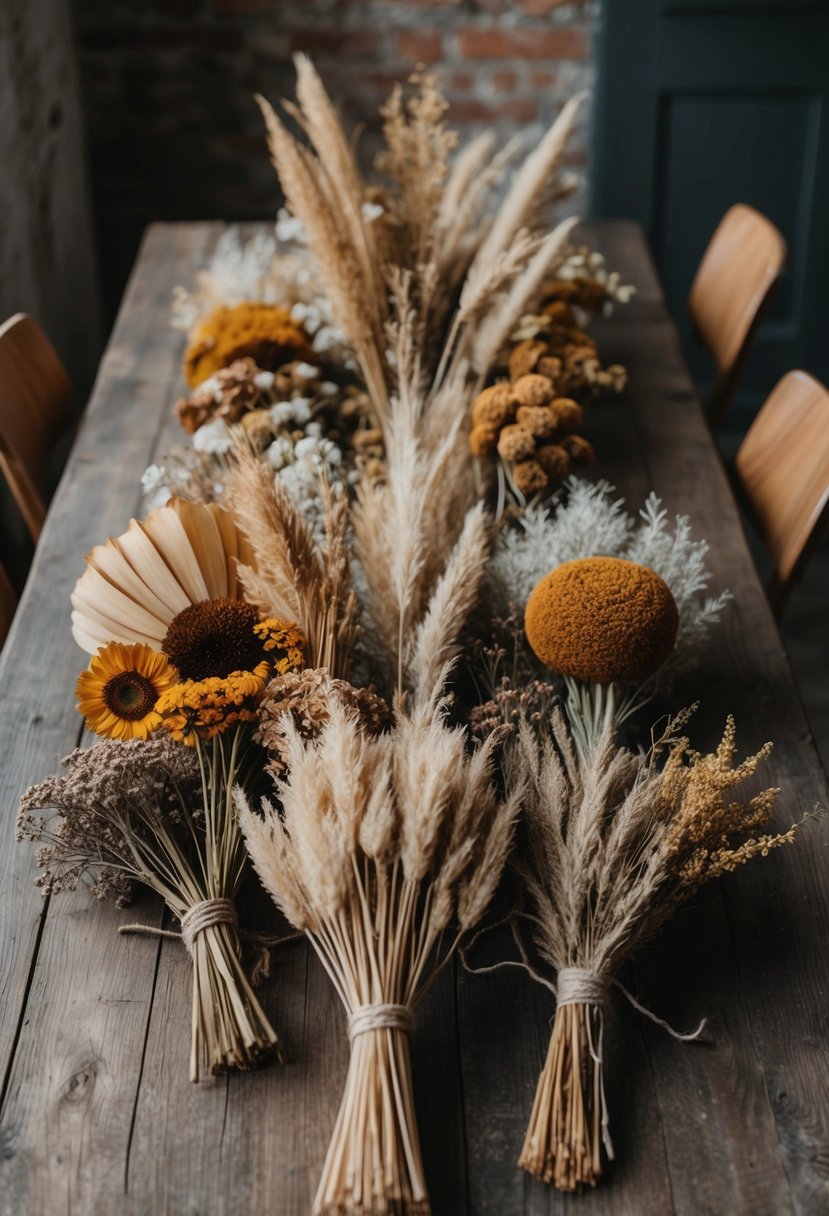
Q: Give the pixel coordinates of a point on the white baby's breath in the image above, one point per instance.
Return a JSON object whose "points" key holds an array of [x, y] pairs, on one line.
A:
{"points": [[214, 438]]}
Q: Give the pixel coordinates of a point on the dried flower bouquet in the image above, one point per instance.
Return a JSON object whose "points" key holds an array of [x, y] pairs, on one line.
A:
{"points": [[615, 843], [179, 662]]}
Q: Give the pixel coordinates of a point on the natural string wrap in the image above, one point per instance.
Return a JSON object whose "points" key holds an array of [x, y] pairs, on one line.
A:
{"points": [[580, 986], [205, 915], [379, 1017]]}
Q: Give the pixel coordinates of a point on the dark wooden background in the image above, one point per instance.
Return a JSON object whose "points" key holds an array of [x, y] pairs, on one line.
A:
{"points": [[96, 1113]]}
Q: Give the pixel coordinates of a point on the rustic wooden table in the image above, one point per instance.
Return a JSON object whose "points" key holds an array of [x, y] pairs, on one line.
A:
{"points": [[97, 1114]]}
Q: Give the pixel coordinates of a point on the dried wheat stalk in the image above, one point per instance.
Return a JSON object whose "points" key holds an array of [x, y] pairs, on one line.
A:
{"points": [[386, 850], [615, 844], [433, 245]]}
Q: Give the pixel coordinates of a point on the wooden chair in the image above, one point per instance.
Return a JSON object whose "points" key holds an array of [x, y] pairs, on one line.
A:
{"points": [[782, 470], [35, 401], [730, 294], [8, 604]]}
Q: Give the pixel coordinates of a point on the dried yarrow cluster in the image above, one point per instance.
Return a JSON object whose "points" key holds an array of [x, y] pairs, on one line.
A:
{"points": [[616, 842]]}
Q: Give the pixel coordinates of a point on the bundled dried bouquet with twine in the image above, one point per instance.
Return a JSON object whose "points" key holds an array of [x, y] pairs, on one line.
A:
{"points": [[386, 850], [615, 843]]}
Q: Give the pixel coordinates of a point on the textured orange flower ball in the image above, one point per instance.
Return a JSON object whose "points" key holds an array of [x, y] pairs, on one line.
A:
{"points": [[602, 619], [266, 333]]}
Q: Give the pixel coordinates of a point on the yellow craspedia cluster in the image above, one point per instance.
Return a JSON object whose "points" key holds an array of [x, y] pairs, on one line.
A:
{"points": [[265, 333], [602, 619], [205, 708]]}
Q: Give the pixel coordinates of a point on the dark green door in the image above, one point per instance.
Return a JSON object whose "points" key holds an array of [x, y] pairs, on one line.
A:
{"points": [[701, 104]]}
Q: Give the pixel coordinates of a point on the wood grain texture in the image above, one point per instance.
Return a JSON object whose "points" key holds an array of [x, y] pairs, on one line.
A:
{"points": [[35, 410], [97, 1115], [782, 468], [729, 295]]}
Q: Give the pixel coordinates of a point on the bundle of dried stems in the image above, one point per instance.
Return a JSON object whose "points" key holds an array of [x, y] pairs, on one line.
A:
{"points": [[421, 244], [128, 815], [386, 850], [615, 844]]}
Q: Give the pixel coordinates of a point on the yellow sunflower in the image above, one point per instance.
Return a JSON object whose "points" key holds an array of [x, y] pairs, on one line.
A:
{"points": [[118, 692]]}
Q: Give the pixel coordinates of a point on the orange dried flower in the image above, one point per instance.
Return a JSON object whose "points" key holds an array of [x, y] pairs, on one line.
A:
{"points": [[554, 460], [524, 357], [568, 414], [533, 390], [530, 478], [482, 439], [494, 407], [516, 443], [602, 619], [265, 333], [538, 420], [579, 449]]}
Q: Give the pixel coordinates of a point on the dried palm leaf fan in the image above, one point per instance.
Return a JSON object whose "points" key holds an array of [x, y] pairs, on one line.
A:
{"points": [[136, 583]]}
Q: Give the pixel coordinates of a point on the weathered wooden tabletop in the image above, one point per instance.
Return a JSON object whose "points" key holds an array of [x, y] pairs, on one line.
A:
{"points": [[97, 1114]]}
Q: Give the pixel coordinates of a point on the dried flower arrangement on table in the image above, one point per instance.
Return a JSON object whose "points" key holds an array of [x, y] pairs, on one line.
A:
{"points": [[386, 404]]}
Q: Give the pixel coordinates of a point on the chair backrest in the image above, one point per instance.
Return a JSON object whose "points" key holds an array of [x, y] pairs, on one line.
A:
{"points": [[35, 408], [8, 604], [783, 472], [731, 289]]}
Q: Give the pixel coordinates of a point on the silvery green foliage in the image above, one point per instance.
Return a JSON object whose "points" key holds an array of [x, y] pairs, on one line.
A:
{"points": [[588, 522]]}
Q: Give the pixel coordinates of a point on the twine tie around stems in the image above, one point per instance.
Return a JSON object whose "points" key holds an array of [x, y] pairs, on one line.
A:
{"points": [[379, 1017], [205, 915], [581, 986]]}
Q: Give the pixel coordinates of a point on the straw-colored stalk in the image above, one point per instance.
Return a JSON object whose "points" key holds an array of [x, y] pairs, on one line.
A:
{"points": [[563, 1140], [615, 843], [386, 850]]}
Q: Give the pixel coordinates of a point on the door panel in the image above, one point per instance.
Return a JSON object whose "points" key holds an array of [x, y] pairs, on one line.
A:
{"points": [[704, 104]]}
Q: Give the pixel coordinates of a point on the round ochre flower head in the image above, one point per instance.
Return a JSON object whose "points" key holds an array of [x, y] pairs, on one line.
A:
{"points": [[602, 619], [118, 693]]}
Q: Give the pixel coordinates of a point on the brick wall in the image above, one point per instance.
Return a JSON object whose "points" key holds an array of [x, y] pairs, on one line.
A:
{"points": [[168, 85]]}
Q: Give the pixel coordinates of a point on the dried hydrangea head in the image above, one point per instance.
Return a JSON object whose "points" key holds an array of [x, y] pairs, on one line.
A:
{"points": [[602, 620], [539, 420], [265, 333], [229, 394]]}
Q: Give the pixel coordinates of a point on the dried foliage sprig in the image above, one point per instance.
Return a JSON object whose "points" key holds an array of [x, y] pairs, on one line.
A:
{"points": [[160, 814], [387, 848], [293, 575], [615, 843]]}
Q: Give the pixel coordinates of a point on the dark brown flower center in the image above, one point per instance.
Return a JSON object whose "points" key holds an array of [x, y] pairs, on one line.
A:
{"points": [[130, 695], [213, 638]]}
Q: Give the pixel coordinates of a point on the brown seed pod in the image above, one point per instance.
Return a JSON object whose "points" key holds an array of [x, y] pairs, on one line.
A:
{"points": [[550, 366]]}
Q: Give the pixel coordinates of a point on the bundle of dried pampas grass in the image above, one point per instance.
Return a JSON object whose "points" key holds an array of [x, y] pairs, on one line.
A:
{"points": [[419, 248]]}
